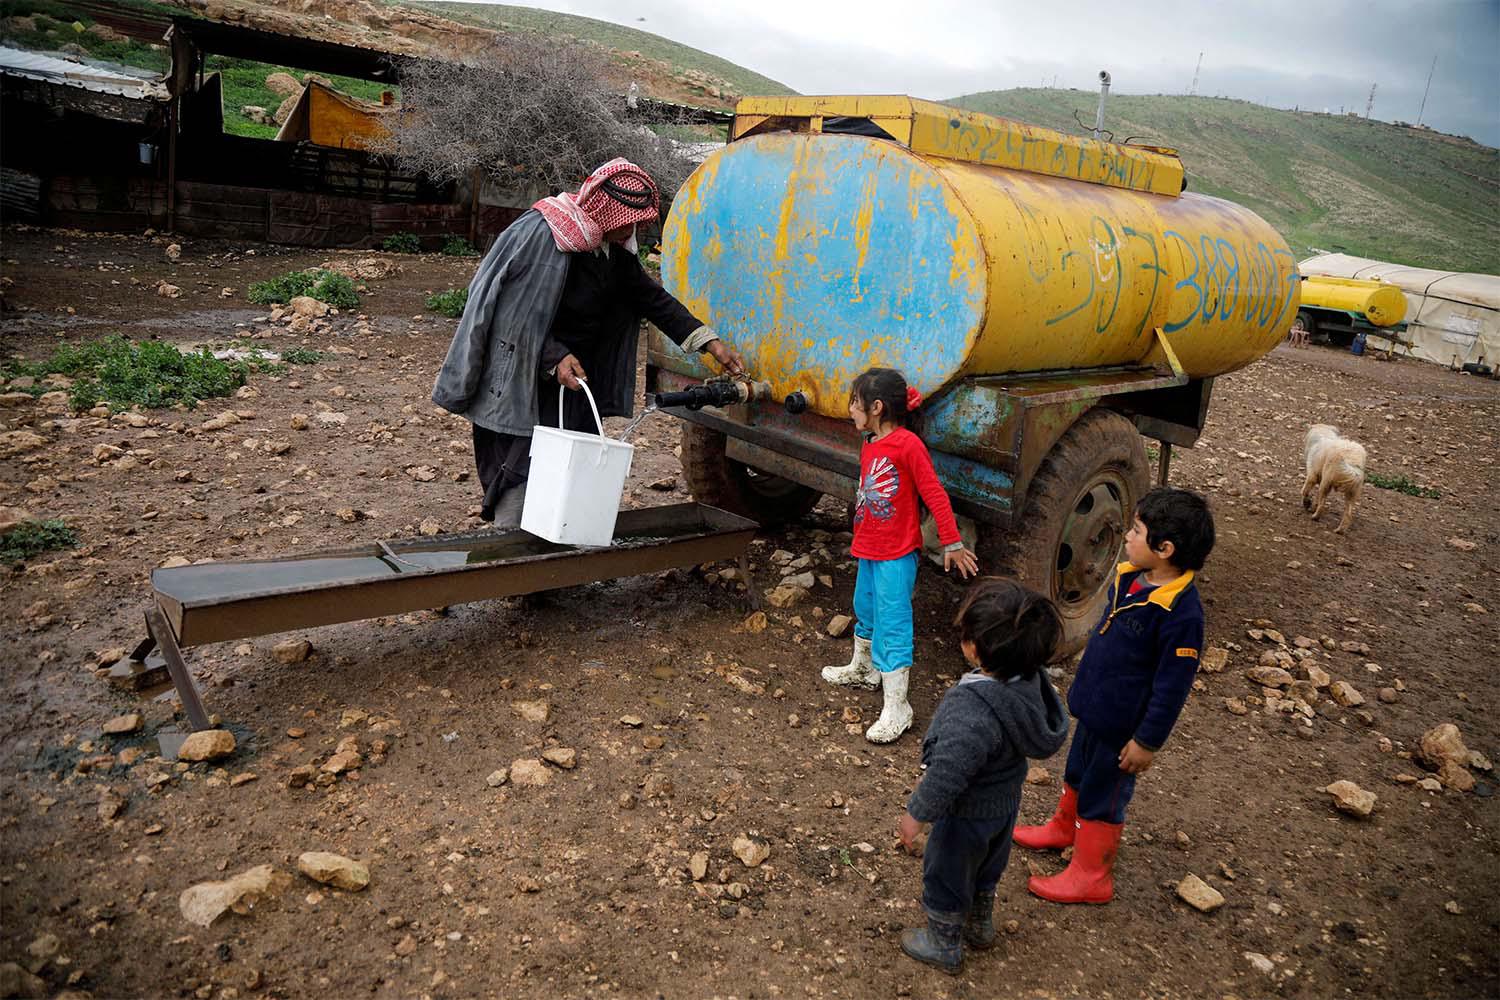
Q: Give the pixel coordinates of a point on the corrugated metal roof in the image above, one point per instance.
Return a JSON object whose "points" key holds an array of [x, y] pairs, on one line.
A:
{"points": [[36, 66]]}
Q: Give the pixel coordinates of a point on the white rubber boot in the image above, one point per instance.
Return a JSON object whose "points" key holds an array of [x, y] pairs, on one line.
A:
{"points": [[895, 717], [859, 672]]}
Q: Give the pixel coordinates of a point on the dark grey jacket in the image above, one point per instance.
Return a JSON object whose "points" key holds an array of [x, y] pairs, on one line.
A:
{"points": [[490, 374], [976, 748]]}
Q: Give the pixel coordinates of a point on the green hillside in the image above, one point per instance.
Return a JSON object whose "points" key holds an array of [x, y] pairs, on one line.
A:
{"points": [[1328, 181], [682, 58]]}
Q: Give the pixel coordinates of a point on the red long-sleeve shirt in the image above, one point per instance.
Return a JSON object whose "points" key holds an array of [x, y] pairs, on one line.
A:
{"points": [[894, 473]]}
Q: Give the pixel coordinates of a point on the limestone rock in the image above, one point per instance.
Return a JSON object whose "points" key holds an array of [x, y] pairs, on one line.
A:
{"points": [[751, 850], [1268, 676], [1317, 675], [756, 623], [497, 778], [838, 626], [1199, 894], [1036, 775], [1350, 798], [698, 866], [784, 597], [13, 443], [292, 650], [1215, 659], [532, 711], [306, 305], [529, 773], [207, 744], [283, 84], [205, 902], [1236, 706], [334, 869], [1444, 743], [632, 721], [564, 757], [1345, 694], [17, 982], [122, 724], [1455, 776]]}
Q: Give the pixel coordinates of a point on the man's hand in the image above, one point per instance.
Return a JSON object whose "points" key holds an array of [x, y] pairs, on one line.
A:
{"points": [[908, 829], [1135, 759], [726, 356], [570, 371], [963, 559]]}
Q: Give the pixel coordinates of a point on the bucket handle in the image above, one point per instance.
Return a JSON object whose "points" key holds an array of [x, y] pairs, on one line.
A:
{"points": [[584, 385]]}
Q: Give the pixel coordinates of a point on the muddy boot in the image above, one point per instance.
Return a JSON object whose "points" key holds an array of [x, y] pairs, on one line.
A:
{"points": [[979, 929], [895, 717], [940, 943], [1057, 832], [859, 672]]}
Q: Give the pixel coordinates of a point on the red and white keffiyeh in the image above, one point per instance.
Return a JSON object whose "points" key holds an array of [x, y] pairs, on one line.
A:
{"points": [[617, 194]]}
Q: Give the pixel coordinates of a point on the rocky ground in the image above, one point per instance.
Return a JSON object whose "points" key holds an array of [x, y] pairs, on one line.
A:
{"points": [[637, 788]]}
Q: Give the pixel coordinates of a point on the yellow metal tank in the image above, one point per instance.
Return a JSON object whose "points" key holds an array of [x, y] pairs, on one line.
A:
{"points": [[1381, 304], [953, 244]]}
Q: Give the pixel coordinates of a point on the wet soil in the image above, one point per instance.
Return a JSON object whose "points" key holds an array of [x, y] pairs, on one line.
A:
{"points": [[583, 887]]}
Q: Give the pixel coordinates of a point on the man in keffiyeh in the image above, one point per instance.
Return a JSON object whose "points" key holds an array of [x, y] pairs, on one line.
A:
{"points": [[559, 298]]}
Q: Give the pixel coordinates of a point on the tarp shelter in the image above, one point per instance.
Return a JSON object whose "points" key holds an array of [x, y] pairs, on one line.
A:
{"points": [[327, 117], [1452, 318]]}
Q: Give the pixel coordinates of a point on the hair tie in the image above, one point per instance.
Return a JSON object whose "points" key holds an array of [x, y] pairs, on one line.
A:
{"points": [[913, 397]]}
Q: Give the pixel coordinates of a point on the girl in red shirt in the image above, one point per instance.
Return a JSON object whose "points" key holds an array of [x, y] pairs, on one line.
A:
{"points": [[895, 472]]}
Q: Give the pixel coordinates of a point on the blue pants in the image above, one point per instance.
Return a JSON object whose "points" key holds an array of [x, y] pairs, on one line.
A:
{"points": [[882, 609], [1093, 770], [964, 857]]}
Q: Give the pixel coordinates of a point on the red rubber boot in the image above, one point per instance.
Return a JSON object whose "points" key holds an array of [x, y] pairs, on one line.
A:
{"points": [[1089, 877], [1057, 832]]}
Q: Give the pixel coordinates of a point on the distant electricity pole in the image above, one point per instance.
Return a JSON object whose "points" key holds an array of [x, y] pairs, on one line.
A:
{"points": [[1193, 90], [1423, 108], [1371, 102]]}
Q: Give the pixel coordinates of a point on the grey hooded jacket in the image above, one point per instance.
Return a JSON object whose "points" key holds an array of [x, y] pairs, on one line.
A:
{"points": [[976, 748], [489, 375]]}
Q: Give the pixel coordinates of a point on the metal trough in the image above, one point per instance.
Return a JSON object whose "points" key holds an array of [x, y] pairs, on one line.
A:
{"points": [[212, 602]]}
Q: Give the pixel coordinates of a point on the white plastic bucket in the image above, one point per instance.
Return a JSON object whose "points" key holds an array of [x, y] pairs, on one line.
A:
{"points": [[573, 490]]}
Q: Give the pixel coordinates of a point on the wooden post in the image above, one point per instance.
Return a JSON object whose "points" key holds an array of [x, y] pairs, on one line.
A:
{"points": [[172, 161], [1163, 463]]}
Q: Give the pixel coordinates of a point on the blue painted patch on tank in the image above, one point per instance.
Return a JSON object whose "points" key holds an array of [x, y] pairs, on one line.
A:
{"points": [[974, 481], [860, 270]]}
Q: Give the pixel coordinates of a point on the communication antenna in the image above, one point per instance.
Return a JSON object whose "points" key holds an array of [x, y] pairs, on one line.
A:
{"points": [[1193, 90], [1423, 108], [1371, 102]]}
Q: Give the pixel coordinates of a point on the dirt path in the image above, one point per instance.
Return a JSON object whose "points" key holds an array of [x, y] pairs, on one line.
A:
{"points": [[583, 887]]}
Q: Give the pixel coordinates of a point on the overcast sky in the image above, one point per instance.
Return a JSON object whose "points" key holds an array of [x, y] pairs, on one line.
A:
{"points": [[1309, 53]]}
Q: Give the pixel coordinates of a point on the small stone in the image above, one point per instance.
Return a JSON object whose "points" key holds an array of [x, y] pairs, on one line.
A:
{"points": [[1215, 659], [1236, 706], [653, 742], [1199, 894], [625, 800], [632, 721], [334, 869], [529, 773], [292, 650], [206, 744], [243, 778], [564, 757], [110, 805], [1272, 677], [406, 946], [1455, 776], [1037, 775], [1387, 695], [698, 866], [122, 724], [1316, 675], [1430, 785], [756, 623], [838, 626], [17, 982], [497, 778], [1350, 798], [784, 597], [1462, 544], [1452, 907], [301, 775], [205, 902], [1345, 694], [532, 711], [1013, 927], [1443, 743], [1260, 963], [751, 850]]}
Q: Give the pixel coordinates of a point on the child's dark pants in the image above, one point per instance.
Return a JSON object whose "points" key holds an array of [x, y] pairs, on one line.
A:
{"points": [[964, 856], [1093, 770]]}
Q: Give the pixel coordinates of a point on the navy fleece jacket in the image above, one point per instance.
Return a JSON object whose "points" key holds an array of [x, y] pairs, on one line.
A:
{"points": [[1139, 665], [975, 749]]}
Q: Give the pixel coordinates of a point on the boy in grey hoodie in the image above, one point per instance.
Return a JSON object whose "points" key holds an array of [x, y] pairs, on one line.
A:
{"points": [[987, 725]]}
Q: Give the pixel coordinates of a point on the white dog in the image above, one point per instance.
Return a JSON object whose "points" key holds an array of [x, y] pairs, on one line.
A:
{"points": [[1333, 463]]}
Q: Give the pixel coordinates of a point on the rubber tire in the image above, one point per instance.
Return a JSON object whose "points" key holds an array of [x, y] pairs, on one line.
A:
{"points": [[717, 481], [1309, 323], [1100, 443]]}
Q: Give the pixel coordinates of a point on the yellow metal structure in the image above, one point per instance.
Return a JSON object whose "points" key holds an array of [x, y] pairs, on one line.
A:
{"points": [[1379, 303], [971, 245]]}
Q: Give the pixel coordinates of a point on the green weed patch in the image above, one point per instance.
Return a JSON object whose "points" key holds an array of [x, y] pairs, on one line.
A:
{"points": [[401, 243], [325, 286], [449, 303], [30, 539], [1401, 484], [150, 374]]}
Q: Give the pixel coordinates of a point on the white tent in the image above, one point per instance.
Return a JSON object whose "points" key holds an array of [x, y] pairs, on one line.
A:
{"points": [[1451, 317]]}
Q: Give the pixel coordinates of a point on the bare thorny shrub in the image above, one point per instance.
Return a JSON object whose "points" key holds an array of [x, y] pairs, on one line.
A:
{"points": [[532, 111]]}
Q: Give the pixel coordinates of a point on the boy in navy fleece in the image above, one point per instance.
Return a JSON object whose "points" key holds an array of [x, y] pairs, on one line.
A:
{"points": [[1132, 682], [996, 716]]}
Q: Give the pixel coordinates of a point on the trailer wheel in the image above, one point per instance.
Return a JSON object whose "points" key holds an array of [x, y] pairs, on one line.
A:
{"points": [[1072, 531], [1308, 322], [716, 480]]}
